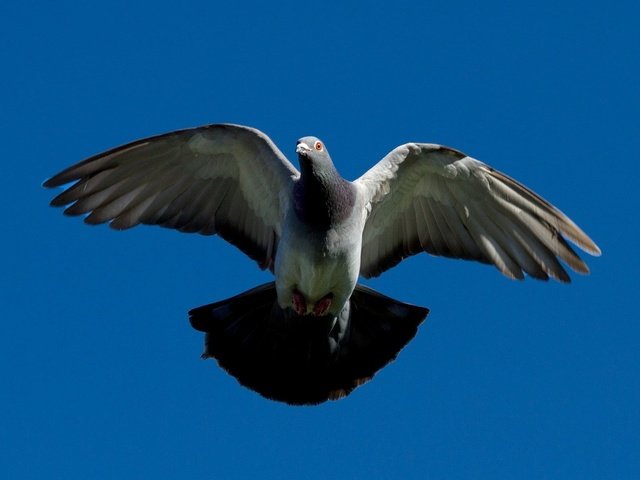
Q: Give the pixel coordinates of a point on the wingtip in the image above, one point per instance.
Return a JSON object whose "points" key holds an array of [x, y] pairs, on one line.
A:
{"points": [[59, 200], [50, 183], [594, 250], [59, 179], [583, 241]]}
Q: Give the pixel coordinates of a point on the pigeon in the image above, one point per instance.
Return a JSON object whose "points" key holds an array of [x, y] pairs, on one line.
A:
{"points": [[314, 333]]}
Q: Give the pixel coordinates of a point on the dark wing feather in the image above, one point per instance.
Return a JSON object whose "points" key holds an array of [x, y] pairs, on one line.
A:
{"points": [[217, 179]]}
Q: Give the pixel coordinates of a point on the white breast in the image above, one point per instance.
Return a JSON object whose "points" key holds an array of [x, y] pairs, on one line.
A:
{"points": [[317, 263]]}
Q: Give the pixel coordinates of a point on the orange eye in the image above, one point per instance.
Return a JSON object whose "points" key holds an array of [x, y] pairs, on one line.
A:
{"points": [[318, 146]]}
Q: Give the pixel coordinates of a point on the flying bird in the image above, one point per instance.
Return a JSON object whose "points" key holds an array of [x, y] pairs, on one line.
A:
{"points": [[314, 333]]}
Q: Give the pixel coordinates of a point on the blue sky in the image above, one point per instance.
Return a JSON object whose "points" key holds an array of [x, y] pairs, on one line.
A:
{"points": [[100, 369]]}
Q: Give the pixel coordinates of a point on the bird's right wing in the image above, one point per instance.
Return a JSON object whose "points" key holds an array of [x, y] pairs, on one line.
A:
{"points": [[427, 197], [216, 179]]}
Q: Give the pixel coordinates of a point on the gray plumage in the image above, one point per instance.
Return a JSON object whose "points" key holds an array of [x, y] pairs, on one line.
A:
{"points": [[318, 233]]}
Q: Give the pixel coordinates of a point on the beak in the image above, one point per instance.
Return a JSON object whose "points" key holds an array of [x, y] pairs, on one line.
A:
{"points": [[302, 148]]}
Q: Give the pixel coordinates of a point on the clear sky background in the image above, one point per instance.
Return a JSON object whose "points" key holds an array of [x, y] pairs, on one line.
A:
{"points": [[100, 371]]}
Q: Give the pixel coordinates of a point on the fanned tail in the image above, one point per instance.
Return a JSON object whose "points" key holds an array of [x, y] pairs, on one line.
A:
{"points": [[305, 360]]}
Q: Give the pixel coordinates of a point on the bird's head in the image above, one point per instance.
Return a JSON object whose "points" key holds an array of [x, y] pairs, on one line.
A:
{"points": [[312, 153]]}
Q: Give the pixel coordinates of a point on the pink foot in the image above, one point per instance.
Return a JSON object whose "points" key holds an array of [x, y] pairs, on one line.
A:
{"points": [[322, 306], [299, 303]]}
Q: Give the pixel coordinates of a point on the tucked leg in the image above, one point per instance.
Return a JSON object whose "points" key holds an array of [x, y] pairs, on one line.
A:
{"points": [[298, 302], [322, 306]]}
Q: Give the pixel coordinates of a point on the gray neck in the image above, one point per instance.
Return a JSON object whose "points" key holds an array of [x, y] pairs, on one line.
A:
{"points": [[321, 197]]}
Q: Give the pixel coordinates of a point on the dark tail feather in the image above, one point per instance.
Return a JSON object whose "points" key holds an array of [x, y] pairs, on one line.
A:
{"points": [[305, 359]]}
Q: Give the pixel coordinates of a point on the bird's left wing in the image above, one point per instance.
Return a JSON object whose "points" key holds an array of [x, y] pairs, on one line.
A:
{"points": [[427, 197], [217, 179]]}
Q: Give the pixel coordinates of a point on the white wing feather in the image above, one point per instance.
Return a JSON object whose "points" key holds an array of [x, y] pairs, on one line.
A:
{"points": [[427, 197]]}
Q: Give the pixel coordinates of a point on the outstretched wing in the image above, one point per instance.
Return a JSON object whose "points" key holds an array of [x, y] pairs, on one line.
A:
{"points": [[426, 197], [217, 179]]}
